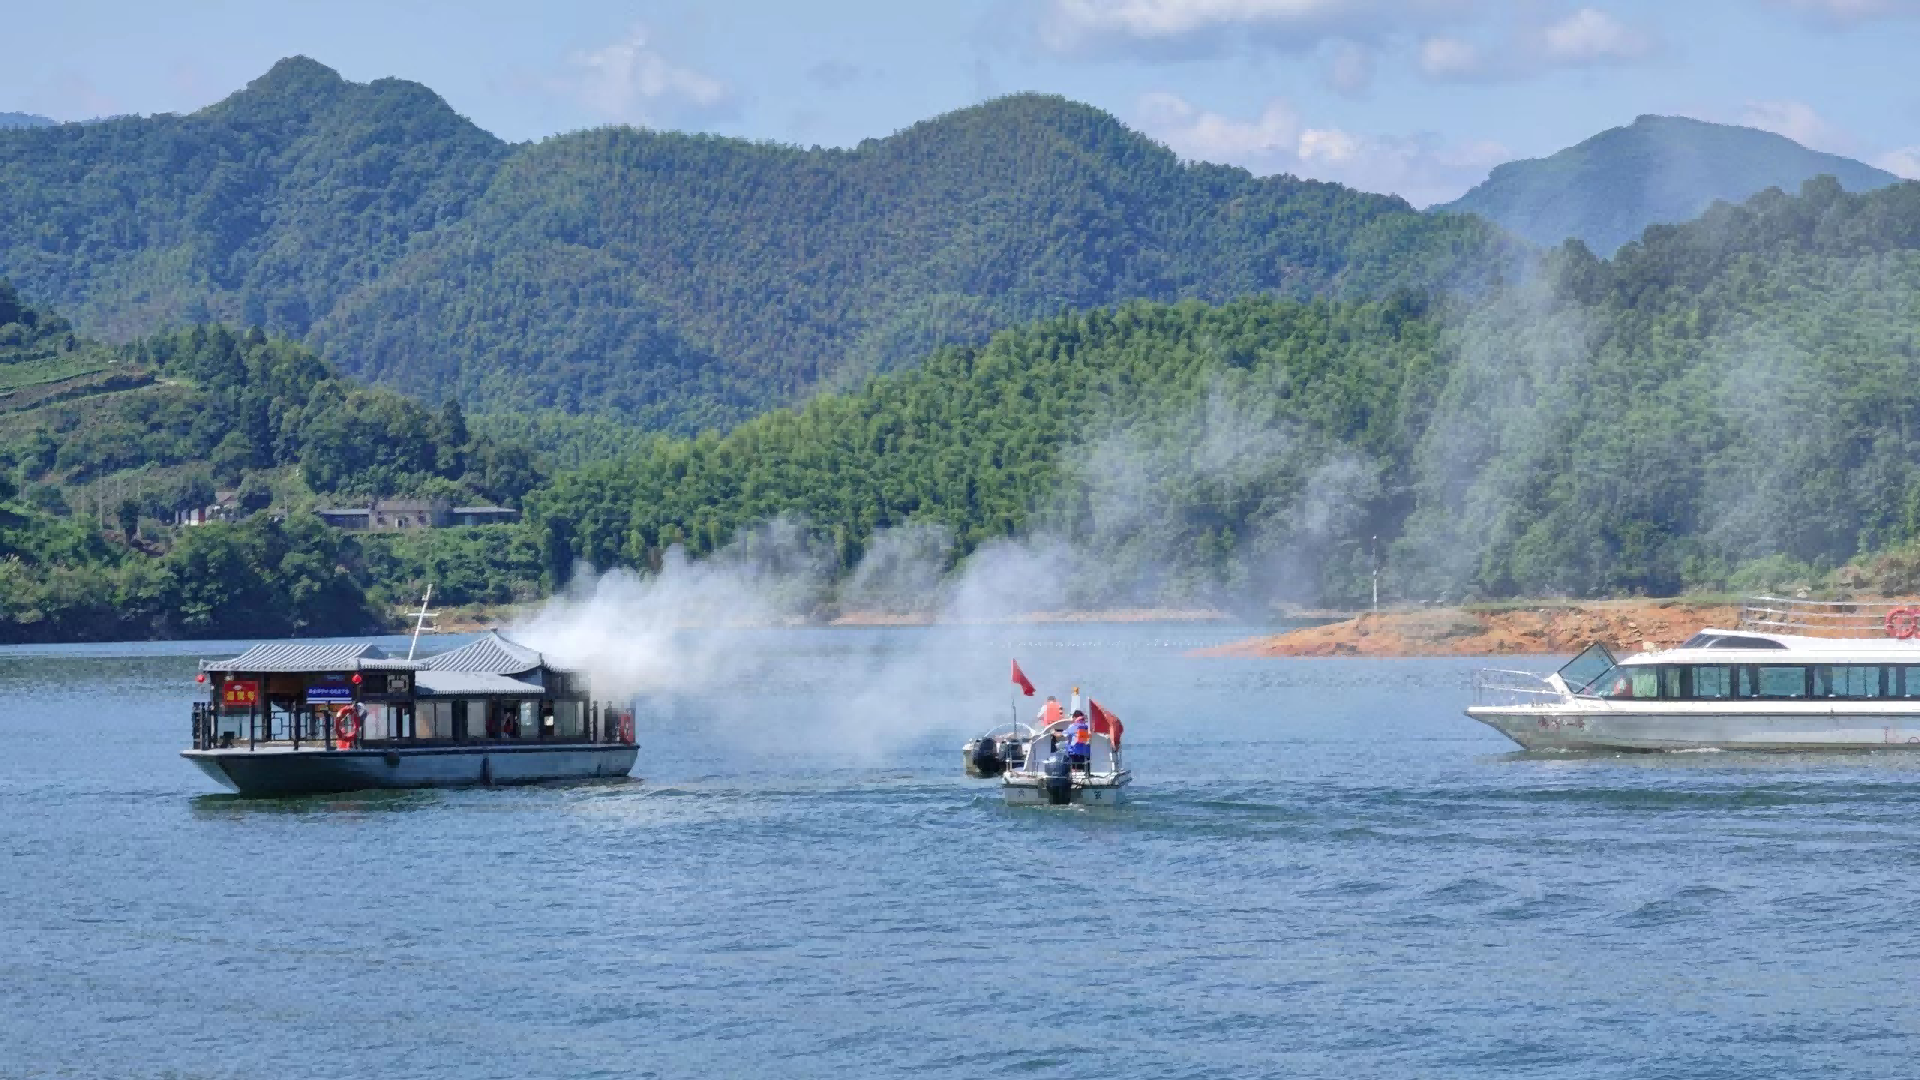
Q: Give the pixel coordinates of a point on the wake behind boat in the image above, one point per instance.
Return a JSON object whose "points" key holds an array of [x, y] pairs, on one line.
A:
{"points": [[1792, 675]]}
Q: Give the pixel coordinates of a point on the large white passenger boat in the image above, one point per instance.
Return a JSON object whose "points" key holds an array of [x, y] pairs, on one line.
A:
{"points": [[1793, 675]]}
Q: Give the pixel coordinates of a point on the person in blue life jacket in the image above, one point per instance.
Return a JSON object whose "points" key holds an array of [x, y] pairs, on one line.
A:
{"points": [[1080, 742]]}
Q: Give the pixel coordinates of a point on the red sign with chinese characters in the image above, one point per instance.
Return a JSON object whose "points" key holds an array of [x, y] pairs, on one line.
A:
{"points": [[241, 692]]}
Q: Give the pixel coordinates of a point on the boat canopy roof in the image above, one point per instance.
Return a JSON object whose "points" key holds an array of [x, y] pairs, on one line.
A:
{"points": [[286, 657], [490, 654], [1711, 646], [430, 683]]}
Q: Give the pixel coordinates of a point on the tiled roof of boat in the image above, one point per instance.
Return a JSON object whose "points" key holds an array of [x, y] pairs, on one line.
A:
{"points": [[286, 656], [471, 683], [491, 654]]}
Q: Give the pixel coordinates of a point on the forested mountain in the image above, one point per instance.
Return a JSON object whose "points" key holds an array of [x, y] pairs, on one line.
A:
{"points": [[680, 280], [101, 445], [1728, 399], [23, 120], [1605, 190]]}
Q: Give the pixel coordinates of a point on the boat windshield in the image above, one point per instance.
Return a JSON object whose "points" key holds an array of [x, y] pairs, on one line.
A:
{"points": [[1585, 671]]}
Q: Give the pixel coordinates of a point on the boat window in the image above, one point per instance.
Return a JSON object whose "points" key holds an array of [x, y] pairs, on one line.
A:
{"points": [[1584, 673], [1633, 682], [1909, 681], [1783, 680], [1848, 681], [1712, 681], [1699, 641], [567, 720], [1670, 683]]}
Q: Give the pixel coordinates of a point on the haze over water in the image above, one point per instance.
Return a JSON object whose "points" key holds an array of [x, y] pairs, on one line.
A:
{"points": [[1328, 871]]}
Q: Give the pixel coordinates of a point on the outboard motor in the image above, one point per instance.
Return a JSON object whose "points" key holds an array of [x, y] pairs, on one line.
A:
{"points": [[983, 758], [1058, 775]]}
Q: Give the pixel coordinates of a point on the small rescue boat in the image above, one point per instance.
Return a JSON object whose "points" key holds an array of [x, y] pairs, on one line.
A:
{"points": [[1003, 748], [1050, 777]]}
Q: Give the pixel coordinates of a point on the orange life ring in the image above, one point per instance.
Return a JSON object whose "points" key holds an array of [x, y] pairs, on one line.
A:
{"points": [[1902, 622], [346, 727]]}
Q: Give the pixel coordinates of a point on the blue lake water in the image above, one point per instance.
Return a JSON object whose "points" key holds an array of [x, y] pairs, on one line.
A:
{"points": [[1327, 871]]}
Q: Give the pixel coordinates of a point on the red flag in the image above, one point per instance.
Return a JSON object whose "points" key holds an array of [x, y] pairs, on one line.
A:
{"points": [[1020, 680], [1104, 722]]}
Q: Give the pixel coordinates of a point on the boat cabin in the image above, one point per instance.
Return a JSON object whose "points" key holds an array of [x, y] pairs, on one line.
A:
{"points": [[293, 694]]}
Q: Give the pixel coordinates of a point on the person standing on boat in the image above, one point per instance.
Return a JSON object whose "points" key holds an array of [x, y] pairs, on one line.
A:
{"points": [[1080, 743], [1050, 712]]}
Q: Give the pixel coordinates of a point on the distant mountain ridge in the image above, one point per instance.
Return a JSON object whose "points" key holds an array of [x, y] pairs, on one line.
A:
{"points": [[23, 120], [1607, 189], [680, 280]]}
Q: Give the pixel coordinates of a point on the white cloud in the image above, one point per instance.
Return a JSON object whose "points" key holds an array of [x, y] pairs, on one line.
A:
{"points": [[1451, 58], [1591, 36], [1798, 121], [632, 82], [1904, 162], [1421, 168], [1850, 12], [1349, 68], [1585, 38], [1192, 27]]}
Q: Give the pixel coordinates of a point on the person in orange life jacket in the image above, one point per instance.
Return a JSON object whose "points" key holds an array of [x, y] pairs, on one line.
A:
{"points": [[1080, 742]]}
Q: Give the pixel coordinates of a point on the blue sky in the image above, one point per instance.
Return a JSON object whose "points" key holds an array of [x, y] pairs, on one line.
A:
{"points": [[1417, 97]]}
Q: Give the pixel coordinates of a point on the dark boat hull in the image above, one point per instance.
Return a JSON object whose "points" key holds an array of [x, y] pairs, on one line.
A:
{"points": [[320, 771]]}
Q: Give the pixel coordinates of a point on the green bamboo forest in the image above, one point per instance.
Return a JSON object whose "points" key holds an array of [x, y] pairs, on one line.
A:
{"points": [[1017, 324]]}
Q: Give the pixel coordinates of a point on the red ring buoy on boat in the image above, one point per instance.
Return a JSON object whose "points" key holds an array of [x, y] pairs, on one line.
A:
{"points": [[346, 726], [626, 727], [1902, 622]]}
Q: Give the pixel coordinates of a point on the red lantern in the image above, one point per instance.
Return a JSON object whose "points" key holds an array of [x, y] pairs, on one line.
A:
{"points": [[202, 677], [356, 678]]}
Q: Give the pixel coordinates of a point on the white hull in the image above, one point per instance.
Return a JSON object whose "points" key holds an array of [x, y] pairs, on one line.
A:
{"points": [[1587, 724], [1029, 789], [315, 770]]}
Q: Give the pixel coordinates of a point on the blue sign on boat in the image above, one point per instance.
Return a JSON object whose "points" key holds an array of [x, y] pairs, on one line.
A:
{"points": [[333, 690]]}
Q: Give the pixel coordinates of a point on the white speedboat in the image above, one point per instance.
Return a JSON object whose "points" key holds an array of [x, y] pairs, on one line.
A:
{"points": [[1049, 778], [1793, 675]]}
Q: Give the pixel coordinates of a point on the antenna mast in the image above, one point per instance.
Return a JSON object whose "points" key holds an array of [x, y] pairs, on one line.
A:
{"points": [[420, 621]]}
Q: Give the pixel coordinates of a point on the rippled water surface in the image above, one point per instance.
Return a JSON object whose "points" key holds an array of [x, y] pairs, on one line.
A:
{"points": [[1327, 871]]}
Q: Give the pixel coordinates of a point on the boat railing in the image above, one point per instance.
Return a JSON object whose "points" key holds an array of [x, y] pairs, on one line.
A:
{"points": [[602, 723], [1818, 618], [1500, 688]]}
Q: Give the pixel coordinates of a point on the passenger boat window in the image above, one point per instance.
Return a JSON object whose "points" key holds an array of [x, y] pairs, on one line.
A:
{"points": [[1633, 682], [1783, 681], [1909, 681], [1848, 681], [1670, 683], [1712, 681]]}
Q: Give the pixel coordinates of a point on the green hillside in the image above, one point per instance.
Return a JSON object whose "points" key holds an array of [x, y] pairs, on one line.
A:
{"points": [[677, 280], [1607, 189], [101, 446], [1734, 398], [21, 120]]}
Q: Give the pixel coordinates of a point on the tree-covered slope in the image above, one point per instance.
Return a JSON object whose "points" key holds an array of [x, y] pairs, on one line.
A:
{"points": [[23, 120], [1605, 190], [264, 209], [1738, 392], [100, 445], [682, 280]]}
